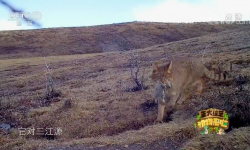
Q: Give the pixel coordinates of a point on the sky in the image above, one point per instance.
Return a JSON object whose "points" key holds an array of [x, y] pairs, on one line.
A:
{"points": [[75, 13]]}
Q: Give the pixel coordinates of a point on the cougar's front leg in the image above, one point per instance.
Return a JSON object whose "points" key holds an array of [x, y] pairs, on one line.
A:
{"points": [[200, 87], [161, 106], [171, 104], [185, 94], [160, 115], [195, 88], [183, 97]]}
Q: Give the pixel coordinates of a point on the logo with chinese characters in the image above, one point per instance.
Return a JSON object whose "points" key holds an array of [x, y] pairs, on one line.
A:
{"points": [[230, 18], [29, 16], [212, 121], [40, 131]]}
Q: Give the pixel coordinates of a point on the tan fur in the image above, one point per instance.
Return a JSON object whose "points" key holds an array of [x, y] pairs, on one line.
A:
{"points": [[184, 77], [221, 69]]}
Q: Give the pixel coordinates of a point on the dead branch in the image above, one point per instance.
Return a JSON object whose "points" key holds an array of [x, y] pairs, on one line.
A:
{"points": [[204, 52], [50, 86], [135, 69]]}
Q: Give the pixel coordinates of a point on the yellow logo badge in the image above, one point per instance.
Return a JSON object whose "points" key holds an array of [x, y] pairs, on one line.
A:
{"points": [[212, 121]]}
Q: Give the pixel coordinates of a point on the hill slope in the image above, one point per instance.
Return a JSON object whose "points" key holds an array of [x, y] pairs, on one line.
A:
{"points": [[103, 113], [97, 39]]}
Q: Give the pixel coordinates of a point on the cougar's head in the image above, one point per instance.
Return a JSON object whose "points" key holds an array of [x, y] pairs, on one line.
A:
{"points": [[162, 73]]}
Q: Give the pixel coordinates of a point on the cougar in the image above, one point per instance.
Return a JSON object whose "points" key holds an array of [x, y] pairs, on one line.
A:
{"points": [[180, 78]]}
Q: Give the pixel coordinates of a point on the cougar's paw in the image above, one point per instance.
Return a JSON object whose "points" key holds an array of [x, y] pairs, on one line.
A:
{"points": [[158, 121]]}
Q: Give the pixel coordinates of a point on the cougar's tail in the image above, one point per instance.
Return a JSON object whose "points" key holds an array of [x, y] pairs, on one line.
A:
{"points": [[209, 74], [222, 77]]}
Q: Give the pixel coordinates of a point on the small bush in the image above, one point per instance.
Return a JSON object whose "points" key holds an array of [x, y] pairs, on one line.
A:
{"points": [[135, 69]]}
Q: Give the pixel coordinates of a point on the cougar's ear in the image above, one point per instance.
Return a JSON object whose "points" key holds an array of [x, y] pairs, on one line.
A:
{"points": [[170, 67], [155, 66]]}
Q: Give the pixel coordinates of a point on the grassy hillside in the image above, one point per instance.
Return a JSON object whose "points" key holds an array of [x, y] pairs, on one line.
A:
{"points": [[98, 39], [103, 113]]}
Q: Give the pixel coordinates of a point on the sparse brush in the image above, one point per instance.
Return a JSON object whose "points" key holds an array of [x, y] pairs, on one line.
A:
{"points": [[50, 85], [135, 67]]}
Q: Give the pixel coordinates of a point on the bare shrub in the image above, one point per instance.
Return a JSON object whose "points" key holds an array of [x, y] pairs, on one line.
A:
{"points": [[50, 85], [137, 74]]}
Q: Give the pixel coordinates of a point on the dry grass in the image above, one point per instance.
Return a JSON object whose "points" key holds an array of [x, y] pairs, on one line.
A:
{"points": [[36, 61], [175, 132], [235, 140], [102, 113]]}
